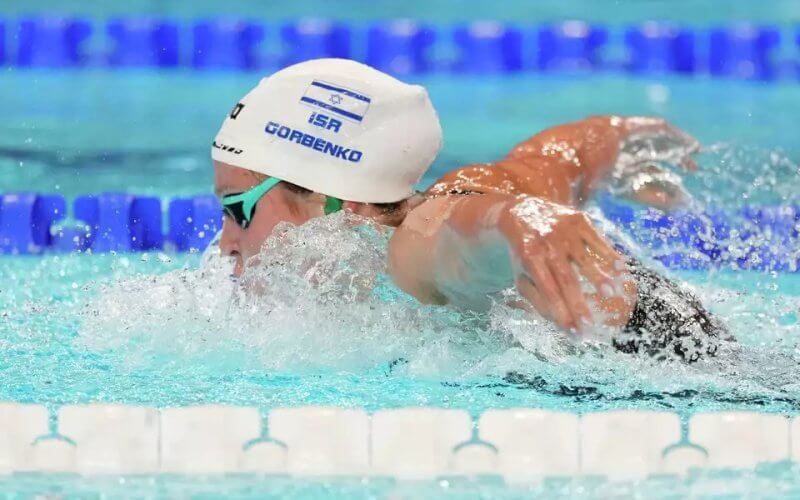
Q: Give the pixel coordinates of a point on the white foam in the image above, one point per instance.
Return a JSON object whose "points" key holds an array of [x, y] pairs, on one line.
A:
{"points": [[317, 298]]}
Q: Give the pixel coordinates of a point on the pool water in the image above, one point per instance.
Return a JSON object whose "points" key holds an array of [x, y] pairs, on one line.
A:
{"points": [[171, 329], [778, 482], [441, 11], [167, 330], [150, 132]]}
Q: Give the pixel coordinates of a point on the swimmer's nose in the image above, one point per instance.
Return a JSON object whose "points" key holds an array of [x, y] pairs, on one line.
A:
{"points": [[228, 242], [229, 245]]}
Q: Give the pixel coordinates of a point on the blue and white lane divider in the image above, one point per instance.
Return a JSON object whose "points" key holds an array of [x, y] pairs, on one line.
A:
{"points": [[763, 238], [118, 222], [402, 46], [519, 446]]}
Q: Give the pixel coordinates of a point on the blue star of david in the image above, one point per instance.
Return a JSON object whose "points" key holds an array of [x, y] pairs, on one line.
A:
{"points": [[335, 99]]}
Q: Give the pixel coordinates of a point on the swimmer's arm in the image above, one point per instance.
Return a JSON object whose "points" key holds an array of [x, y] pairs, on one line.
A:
{"points": [[584, 153], [442, 245]]}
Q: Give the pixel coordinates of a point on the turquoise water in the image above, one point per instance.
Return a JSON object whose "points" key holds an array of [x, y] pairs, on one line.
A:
{"points": [[148, 132], [439, 11], [778, 482], [153, 329]]}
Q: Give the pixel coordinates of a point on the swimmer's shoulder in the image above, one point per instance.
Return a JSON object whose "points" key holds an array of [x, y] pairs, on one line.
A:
{"points": [[512, 176]]}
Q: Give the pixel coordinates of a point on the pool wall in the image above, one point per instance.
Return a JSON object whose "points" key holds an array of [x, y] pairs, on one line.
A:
{"points": [[519, 445]]}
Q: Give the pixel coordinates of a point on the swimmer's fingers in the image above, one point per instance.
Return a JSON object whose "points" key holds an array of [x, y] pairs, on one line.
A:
{"points": [[672, 138], [567, 279], [679, 136], [690, 146], [594, 271], [598, 245], [691, 142], [601, 264], [538, 268]]}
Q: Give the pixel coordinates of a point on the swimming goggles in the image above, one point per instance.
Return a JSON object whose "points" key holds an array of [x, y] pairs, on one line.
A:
{"points": [[241, 207]]}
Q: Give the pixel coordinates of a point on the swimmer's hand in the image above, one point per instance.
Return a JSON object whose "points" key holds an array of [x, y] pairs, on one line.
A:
{"points": [[649, 139], [563, 264], [633, 156], [648, 147]]}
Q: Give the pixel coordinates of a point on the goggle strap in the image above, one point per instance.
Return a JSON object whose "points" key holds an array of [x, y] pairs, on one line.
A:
{"points": [[256, 193]]}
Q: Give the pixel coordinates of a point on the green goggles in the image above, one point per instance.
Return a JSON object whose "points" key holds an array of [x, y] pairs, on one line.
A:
{"points": [[241, 207]]}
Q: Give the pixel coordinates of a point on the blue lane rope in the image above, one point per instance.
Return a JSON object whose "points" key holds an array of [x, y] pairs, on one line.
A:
{"points": [[401, 47], [764, 238]]}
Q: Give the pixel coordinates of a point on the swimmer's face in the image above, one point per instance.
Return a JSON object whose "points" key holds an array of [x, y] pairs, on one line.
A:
{"points": [[278, 205], [281, 204]]}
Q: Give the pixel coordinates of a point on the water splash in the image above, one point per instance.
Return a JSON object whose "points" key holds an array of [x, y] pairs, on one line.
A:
{"points": [[732, 175], [317, 298]]}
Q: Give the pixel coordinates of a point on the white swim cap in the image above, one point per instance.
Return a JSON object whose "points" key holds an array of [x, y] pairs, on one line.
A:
{"points": [[336, 127]]}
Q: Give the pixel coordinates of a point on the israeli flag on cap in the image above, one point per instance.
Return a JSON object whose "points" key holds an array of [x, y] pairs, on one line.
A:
{"points": [[338, 100]]}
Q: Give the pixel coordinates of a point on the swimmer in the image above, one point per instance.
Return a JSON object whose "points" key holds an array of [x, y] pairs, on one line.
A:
{"points": [[333, 134]]}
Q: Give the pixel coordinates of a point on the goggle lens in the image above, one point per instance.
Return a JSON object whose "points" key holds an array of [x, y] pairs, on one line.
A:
{"points": [[236, 212]]}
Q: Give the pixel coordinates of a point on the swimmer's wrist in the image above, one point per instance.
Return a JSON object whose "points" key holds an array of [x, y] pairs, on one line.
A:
{"points": [[519, 213]]}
